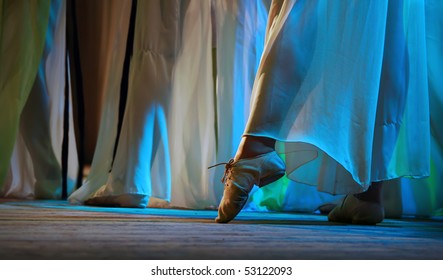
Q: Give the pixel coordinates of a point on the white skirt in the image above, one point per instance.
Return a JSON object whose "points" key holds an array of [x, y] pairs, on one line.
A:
{"points": [[343, 86]]}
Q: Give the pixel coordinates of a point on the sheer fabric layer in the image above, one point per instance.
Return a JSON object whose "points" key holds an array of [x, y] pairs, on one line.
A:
{"points": [[344, 86]]}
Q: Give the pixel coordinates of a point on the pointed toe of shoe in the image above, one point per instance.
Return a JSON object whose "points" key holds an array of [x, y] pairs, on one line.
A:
{"points": [[232, 203], [240, 177]]}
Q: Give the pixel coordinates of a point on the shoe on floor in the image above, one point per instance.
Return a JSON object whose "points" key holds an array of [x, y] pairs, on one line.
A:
{"points": [[356, 211], [239, 178]]}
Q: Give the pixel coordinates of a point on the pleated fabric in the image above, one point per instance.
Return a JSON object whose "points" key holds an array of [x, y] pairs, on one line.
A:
{"points": [[33, 54], [190, 116], [112, 25], [167, 136], [343, 86], [22, 33]]}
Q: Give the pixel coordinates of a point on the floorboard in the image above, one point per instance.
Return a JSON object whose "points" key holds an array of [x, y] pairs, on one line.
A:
{"points": [[57, 230]]}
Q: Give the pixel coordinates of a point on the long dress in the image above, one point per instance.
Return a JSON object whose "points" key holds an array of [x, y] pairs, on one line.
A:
{"points": [[22, 30], [32, 82], [167, 135], [343, 86]]}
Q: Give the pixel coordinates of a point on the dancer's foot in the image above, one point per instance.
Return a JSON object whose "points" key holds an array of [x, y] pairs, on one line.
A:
{"points": [[252, 146], [122, 200], [241, 175], [362, 208]]}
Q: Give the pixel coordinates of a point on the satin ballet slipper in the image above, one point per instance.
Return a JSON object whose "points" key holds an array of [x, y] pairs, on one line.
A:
{"points": [[356, 211], [239, 178]]}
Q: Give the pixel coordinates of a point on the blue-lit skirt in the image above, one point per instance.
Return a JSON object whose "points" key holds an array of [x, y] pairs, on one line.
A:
{"points": [[343, 86]]}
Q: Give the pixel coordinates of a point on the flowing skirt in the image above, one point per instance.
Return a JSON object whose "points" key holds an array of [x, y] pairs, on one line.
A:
{"points": [[343, 86]]}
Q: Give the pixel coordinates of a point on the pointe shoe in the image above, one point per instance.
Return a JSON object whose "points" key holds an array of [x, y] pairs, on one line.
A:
{"points": [[239, 178], [356, 211]]}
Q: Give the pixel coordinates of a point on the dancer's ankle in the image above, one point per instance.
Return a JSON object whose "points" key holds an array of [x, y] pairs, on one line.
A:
{"points": [[372, 194], [252, 146]]}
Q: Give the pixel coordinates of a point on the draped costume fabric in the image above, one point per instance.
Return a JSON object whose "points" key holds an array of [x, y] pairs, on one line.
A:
{"points": [[32, 83], [402, 196], [344, 85], [160, 155], [170, 132], [170, 82], [327, 71], [424, 197], [16, 81]]}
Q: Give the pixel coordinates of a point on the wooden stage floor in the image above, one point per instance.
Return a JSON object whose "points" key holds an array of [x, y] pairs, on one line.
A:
{"points": [[55, 230]]}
